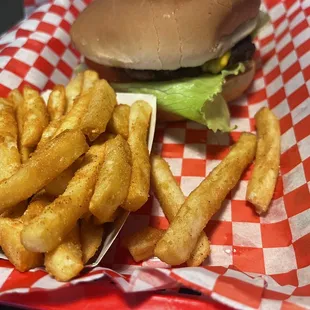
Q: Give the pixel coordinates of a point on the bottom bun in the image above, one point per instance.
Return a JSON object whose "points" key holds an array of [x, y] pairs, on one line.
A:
{"points": [[233, 88]]}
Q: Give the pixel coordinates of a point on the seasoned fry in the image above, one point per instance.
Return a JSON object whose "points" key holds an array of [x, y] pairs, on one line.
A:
{"points": [[89, 79], [100, 109], [46, 232], [119, 122], [171, 198], [36, 206], [114, 179], [56, 104], [65, 262], [73, 119], [22, 259], [141, 244], [266, 169], [91, 238], [49, 132], [61, 151], [10, 230], [58, 186], [181, 237], [16, 211], [35, 118], [9, 156], [17, 98], [73, 90], [139, 121]]}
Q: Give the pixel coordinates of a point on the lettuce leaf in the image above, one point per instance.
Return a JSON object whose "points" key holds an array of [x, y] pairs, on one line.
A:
{"points": [[197, 99]]}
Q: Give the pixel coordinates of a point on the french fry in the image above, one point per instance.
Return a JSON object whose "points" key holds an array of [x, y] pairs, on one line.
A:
{"points": [[65, 262], [119, 122], [38, 170], [171, 198], [22, 259], [10, 230], [141, 244], [9, 156], [114, 179], [73, 119], [35, 118], [266, 169], [91, 238], [73, 90], [58, 186], [36, 206], [89, 79], [180, 239], [49, 132], [46, 232], [16, 211], [100, 109], [56, 104], [17, 98], [139, 121]]}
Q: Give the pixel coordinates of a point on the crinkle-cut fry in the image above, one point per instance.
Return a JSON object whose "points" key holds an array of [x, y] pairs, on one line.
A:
{"points": [[73, 90], [171, 198], [17, 98], [65, 262], [142, 243], [46, 232], [10, 159], [73, 119], [22, 259], [91, 238], [44, 165], [49, 132], [266, 169], [119, 122], [35, 117], [56, 104], [58, 186], [139, 121], [182, 235], [90, 77], [114, 180], [100, 109]]}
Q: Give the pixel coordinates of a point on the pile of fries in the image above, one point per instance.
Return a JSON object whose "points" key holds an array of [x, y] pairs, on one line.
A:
{"points": [[185, 240], [67, 167]]}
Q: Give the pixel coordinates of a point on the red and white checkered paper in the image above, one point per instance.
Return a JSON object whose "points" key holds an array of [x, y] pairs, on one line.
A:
{"points": [[256, 262]]}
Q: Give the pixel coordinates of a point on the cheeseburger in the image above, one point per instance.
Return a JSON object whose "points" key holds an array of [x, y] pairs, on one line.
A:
{"points": [[193, 55]]}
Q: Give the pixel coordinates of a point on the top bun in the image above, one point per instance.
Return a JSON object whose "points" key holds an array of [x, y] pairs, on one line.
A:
{"points": [[161, 34]]}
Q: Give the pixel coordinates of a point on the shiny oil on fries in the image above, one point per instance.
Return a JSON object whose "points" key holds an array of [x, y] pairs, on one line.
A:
{"points": [[139, 121], [267, 161], [89, 79], [73, 90], [171, 198], [182, 235]]}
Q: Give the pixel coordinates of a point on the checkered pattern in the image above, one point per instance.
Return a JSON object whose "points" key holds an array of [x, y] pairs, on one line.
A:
{"points": [[256, 262]]}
